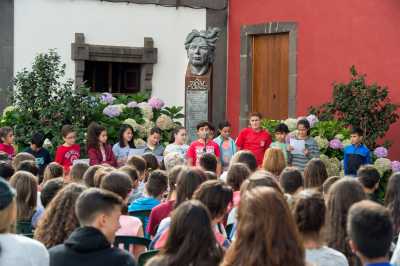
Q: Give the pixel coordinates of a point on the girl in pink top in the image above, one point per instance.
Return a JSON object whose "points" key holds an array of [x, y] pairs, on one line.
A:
{"points": [[6, 141]]}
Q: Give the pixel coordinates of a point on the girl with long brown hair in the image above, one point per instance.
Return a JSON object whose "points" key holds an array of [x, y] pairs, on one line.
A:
{"points": [[191, 240], [26, 186], [341, 196], [315, 174], [267, 234], [59, 219]]}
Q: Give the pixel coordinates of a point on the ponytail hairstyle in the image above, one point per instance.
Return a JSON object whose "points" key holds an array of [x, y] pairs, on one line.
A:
{"points": [[175, 132]]}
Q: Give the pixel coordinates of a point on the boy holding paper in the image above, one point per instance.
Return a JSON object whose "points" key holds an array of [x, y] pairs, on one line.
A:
{"points": [[302, 147]]}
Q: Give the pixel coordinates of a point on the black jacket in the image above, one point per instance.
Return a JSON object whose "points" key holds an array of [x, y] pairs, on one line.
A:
{"points": [[87, 246]]}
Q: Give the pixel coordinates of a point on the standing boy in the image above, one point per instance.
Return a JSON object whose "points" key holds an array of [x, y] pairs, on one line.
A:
{"points": [[254, 138], [281, 132], [356, 154], [202, 145]]}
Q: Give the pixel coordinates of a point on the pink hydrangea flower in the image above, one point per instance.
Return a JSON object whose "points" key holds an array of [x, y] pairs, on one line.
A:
{"points": [[335, 144], [395, 166], [156, 103], [381, 152]]}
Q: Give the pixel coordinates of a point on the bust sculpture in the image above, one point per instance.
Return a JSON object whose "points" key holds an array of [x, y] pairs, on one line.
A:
{"points": [[200, 47]]}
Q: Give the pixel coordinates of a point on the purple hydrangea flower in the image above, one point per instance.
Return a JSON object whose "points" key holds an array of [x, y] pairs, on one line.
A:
{"points": [[312, 119], [335, 144], [112, 111], [381, 152], [156, 103], [132, 104], [107, 98], [395, 166]]}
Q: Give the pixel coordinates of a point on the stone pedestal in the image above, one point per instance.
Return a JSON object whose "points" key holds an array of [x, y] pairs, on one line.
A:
{"points": [[197, 101]]}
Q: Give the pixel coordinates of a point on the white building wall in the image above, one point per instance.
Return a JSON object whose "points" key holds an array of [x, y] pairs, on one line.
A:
{"points": [[41, 25]]}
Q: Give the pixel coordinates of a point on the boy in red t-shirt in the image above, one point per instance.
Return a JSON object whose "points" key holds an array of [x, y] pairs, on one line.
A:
{"points": [[67, 153], [202, 145], [254, 138]]}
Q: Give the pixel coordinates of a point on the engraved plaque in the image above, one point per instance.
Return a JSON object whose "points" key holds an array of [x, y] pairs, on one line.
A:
{"points": [[196, 110]]}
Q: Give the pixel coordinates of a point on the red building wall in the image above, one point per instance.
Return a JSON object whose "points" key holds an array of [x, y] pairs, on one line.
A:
{"points": [[332, 36]]}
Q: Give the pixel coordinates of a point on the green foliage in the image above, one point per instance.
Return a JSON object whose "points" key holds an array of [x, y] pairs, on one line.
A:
{"points": [[270, 125], [329, 129], [45, 102], [362, 105], [42, 101]]}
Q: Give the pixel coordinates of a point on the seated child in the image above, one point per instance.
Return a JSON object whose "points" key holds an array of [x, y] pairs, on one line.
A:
{"points": [[153, 144], [369, 178], [120, 183], [141, 166], [7, 141], [68, 152], [154, 190], [41, 154]]}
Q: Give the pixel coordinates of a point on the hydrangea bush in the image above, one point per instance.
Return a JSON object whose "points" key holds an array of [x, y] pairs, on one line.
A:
{"points": [[43, 101], [332, 137]]}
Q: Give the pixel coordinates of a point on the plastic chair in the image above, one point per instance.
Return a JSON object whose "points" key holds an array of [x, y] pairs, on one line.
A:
{"points": [[144, 217], [145, 256], [127, 241], [24, 227], [228, 230]]}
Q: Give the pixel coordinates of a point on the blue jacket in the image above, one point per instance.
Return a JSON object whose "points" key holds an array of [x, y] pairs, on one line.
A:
{"points": [[354, 157]]}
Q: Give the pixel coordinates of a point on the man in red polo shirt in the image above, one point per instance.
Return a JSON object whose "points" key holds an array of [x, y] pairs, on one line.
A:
{"points": [[254, 138]]}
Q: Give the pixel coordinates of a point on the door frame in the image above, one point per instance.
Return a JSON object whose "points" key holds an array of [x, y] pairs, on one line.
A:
{"points": [[247, 32]]}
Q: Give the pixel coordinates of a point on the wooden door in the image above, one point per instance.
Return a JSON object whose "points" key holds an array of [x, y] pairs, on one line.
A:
{"points": [[270, 75]]}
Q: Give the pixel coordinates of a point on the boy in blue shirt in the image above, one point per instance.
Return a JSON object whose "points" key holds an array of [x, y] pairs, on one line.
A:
{"points": [[227, 146], [356, 154], [41, 154], [154, 190]]}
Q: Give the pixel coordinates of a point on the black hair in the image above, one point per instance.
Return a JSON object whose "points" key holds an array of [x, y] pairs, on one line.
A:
{"points": [[155, 130], [37, 139], [370, 228], [208, 162], [282, 128], [368, 176], [94, 201], [94, 131], [203, 124], [305, 123], [29, 166], [358, 131], [157, 183], [123, 128], [50, 190], [6, 170], [175, 132], [291, 180], [224, 124]]}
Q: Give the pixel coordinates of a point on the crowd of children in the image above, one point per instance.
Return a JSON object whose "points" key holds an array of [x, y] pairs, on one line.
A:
{"points": [[217, 201]]}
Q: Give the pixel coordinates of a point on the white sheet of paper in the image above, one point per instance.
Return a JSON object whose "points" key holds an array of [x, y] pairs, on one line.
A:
{"points": [[139, 152], [298, 145]]}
